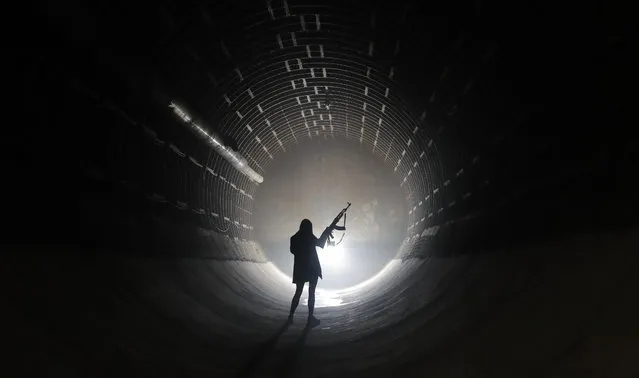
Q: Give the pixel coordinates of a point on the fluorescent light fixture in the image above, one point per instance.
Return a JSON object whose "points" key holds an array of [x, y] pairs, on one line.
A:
{"points": [[234, 158]]}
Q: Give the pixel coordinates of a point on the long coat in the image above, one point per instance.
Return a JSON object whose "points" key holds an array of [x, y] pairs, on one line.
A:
{"points": [[307, 266]]}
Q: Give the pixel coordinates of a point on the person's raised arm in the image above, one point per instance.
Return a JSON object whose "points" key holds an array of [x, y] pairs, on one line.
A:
{"points": [[321, 241]]}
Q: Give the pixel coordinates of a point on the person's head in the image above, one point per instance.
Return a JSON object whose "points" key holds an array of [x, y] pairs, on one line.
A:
{"points": [[306, 227]]}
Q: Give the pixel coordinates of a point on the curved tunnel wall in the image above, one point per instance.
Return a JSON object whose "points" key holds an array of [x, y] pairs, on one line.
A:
{"points": [[150, 249]]}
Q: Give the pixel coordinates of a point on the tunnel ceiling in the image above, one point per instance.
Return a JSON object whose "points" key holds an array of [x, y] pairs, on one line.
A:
{"points": [[436, 91], [388, 78], [396, 80]]}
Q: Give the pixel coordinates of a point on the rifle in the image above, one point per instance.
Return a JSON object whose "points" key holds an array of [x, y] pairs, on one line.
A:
{"points": [[334, 226]]}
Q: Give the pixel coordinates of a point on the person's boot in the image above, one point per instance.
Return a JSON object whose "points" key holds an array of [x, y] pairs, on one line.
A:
{"points": [[313, 321]]}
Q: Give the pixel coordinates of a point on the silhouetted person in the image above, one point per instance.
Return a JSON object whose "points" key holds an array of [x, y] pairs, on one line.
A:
{"points": [[307, 267]]}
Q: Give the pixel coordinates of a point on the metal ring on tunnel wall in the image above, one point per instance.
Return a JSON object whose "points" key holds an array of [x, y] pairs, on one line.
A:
{"points": [[297, 73]]}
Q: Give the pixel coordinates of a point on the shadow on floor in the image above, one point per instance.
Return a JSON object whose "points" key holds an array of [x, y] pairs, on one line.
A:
{"points": [[288, 367], [262, 352]]}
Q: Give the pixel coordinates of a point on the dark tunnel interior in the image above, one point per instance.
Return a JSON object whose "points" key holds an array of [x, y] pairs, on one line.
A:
{"points": [[161, 155]]}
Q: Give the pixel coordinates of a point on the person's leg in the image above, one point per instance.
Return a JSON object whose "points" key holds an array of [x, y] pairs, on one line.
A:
{"points": [[296, 298], [311, 296]]}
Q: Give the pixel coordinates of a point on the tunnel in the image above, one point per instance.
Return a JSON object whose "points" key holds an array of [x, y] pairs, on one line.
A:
{"points": [[160, 156]]}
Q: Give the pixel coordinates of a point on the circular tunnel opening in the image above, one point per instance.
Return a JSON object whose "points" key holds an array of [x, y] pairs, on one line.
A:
{"points": [[501, 243], [315, 180]]}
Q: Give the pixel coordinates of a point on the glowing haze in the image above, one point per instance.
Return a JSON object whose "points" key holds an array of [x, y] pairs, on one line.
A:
{"points": [[315, 181]]}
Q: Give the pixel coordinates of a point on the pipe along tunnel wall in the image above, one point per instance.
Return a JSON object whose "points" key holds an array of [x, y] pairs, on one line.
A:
{"points": [[130, 248]]}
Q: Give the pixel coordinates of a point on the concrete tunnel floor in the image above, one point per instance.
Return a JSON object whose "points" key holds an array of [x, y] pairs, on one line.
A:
{"points": [[554, 309]]}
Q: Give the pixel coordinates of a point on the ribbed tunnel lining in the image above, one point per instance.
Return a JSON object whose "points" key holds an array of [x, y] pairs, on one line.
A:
{"points": [[140, 251]]}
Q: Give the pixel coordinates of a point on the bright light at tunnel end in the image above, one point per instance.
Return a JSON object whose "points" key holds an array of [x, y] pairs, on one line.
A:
{"points": [[333, 256], [363, 258]]}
